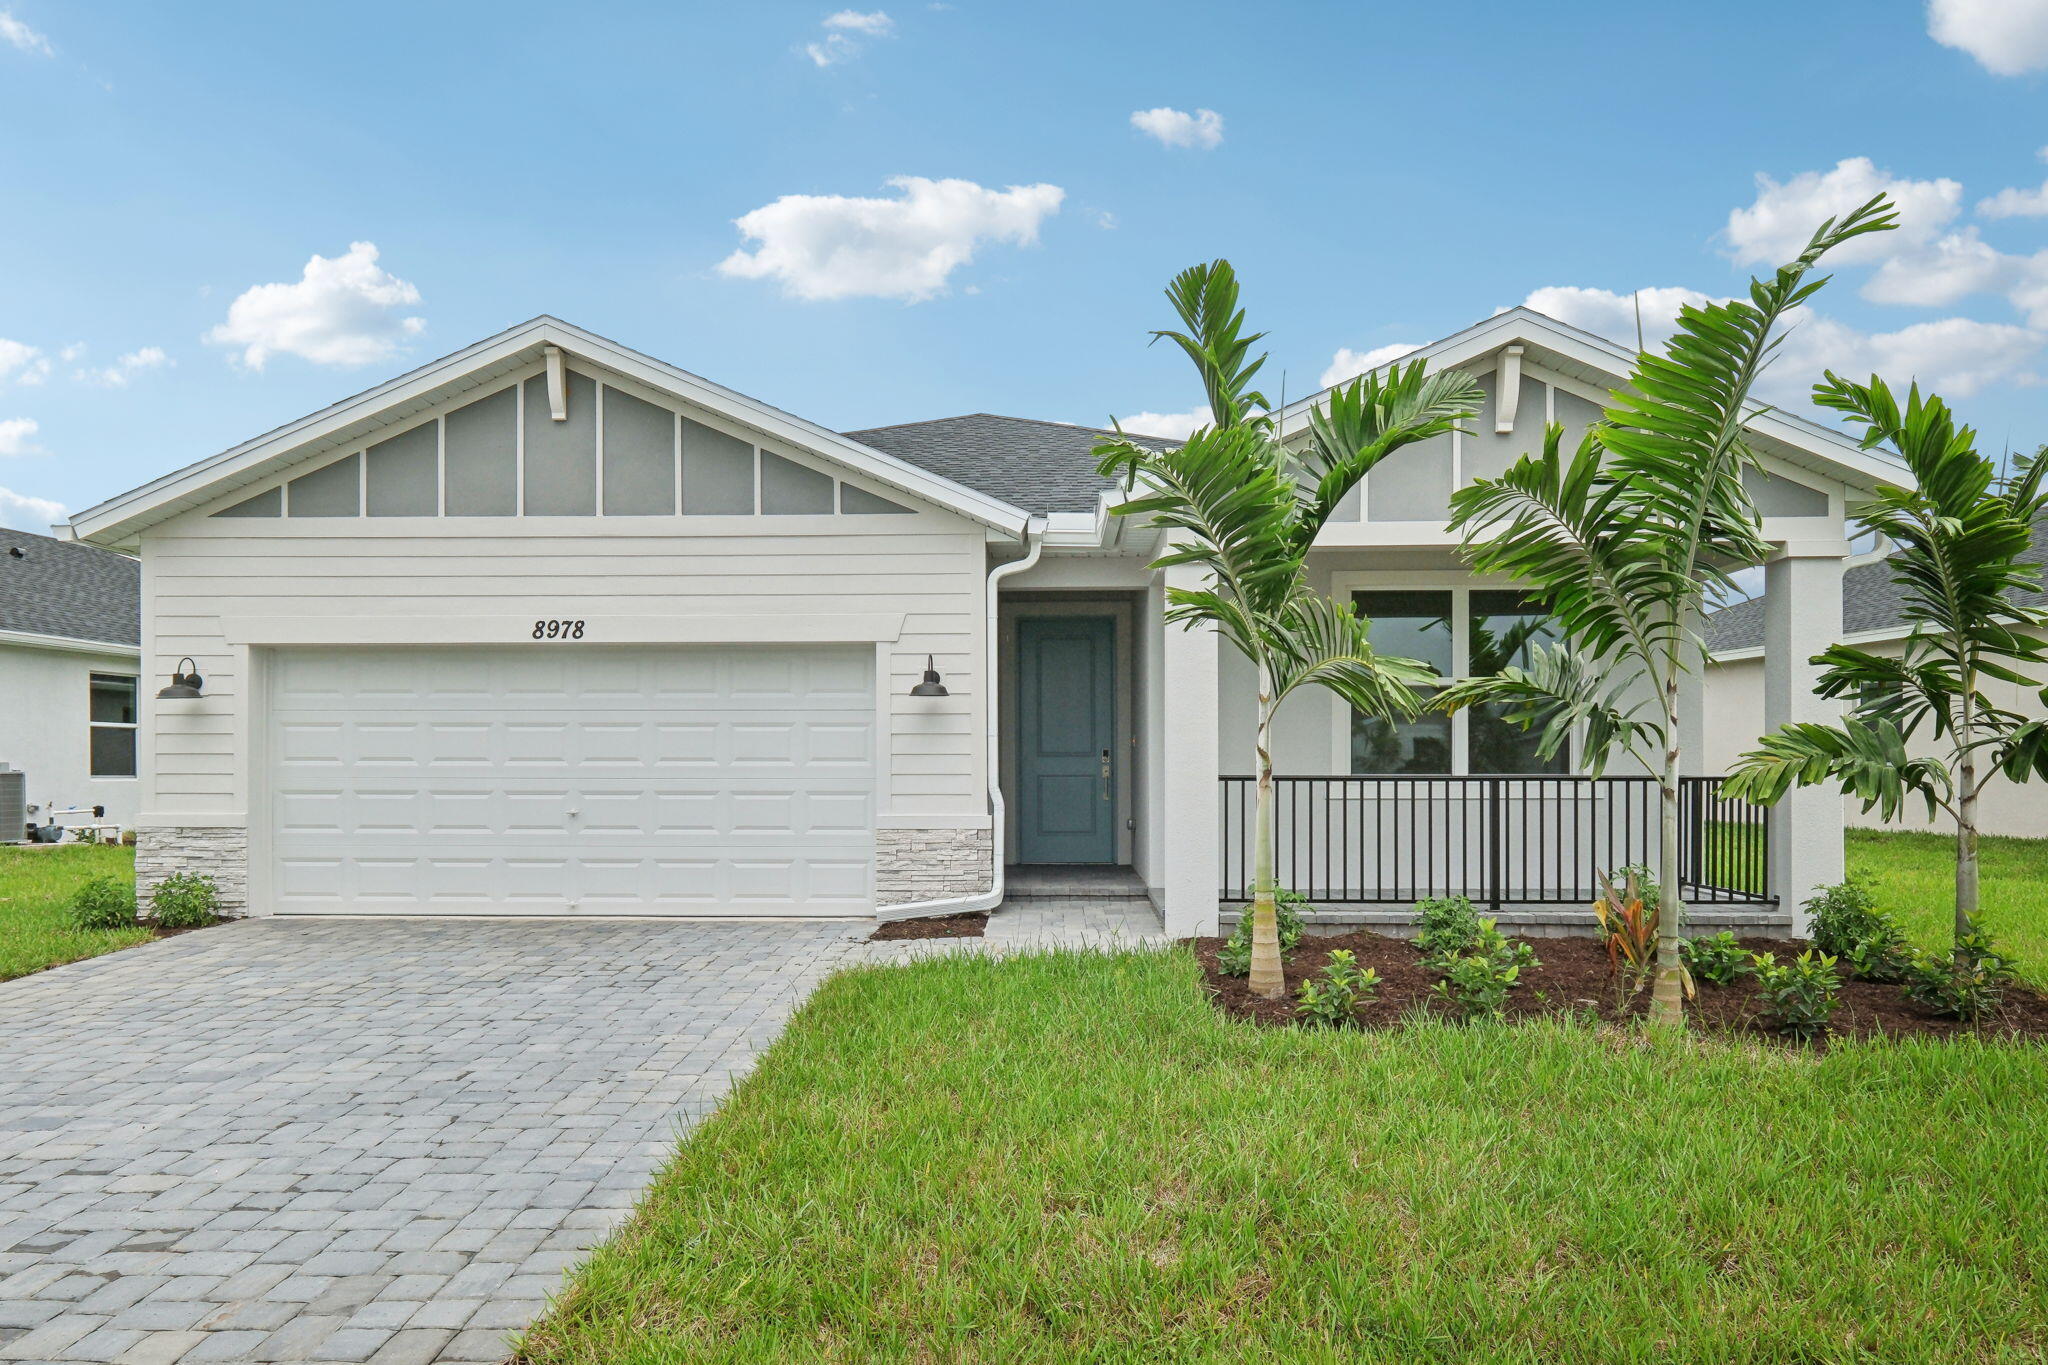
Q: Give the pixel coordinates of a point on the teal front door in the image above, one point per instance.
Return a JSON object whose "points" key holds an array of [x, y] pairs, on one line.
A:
{"points": [[1066, 741]]}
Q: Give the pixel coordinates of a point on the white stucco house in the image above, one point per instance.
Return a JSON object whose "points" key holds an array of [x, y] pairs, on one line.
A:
{"points": [[1872, 619], [548, 626], [69, 648]]}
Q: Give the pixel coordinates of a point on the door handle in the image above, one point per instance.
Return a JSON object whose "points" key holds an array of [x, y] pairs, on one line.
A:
{"points": [[1105, 774]]}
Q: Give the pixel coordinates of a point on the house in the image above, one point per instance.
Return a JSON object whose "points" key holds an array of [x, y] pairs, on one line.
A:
{"points": [[1872, 620], [70, 639], [551, 627]]}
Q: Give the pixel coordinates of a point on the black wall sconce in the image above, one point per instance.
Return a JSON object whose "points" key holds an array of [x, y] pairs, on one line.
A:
{"points": [[931, 686], [185, 682]]}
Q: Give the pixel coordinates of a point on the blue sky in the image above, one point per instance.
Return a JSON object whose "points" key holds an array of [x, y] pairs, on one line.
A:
{"points": [[951, 206]]}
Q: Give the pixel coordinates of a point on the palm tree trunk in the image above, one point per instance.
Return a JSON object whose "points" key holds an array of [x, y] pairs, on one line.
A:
{"points": [[1268, 978], [1667, 1004], [1966, 817]]}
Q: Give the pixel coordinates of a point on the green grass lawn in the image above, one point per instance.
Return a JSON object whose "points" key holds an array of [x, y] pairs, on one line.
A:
{"points": [[35, 888], [1073, 1158], [1914, 877]]}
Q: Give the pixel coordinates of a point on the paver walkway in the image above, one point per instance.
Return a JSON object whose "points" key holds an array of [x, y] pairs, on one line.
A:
{"points": [[350, 1140]]}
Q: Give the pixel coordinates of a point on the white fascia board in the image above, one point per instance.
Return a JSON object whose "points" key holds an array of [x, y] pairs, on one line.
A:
{"points": [[1885, 635], [1857, 466], [120, 518], [65, 643]]}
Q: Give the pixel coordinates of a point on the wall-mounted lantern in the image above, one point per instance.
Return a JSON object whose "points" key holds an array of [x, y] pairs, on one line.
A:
{"points": [[185, 683], [931, 686]]}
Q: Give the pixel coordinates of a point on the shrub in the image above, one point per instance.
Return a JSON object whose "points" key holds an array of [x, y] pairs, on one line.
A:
{"points": [[1848, 925], [184, 900], [1234, 958], [104, 903], [1799, 996], [1448, 926], [1332, 999], [1963, 989], [1476, 983], [1628, 915], [1716, 959]]}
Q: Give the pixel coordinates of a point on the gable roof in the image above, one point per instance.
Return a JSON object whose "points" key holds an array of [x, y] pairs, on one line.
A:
{"points": [[1579, 354], [69, 592], [119, 520], [1038, 466], [1871, 603]]}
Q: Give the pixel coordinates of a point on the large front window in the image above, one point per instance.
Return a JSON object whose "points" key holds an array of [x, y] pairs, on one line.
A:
{"points": [[1462, 633]]}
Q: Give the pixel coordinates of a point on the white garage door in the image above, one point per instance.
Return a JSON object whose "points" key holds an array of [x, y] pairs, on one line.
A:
{"points": [[565, 779]]}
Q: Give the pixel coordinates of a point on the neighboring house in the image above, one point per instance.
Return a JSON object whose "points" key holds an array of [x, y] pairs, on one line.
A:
{"points": [[1871, 620], [548, 626], [69, 642]]}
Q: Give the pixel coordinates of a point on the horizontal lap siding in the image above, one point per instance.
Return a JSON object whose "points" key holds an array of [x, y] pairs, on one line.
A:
{"points": [[929, 568]]}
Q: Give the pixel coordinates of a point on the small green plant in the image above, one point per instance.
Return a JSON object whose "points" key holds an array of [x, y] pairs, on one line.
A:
{"points": [[1332, 999], [1847, 924], [1799, 996], [104, 903], [185, 900], [1716, 959], [1234, 958], [1447, 927], [1476, 983], [1627, 914], [1965, 985]]}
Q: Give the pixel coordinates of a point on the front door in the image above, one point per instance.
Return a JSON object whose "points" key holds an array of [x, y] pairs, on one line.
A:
{"points": [[1066, 712]]}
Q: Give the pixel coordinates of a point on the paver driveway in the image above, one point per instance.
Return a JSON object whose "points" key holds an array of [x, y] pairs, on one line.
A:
{"points": [[348, 1140]]}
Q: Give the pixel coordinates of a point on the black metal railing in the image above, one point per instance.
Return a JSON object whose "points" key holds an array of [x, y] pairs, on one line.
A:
{"points": [[1499, 840]]}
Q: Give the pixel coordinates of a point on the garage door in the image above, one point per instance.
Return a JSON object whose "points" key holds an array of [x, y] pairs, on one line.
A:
{"points": [[591, 780]]}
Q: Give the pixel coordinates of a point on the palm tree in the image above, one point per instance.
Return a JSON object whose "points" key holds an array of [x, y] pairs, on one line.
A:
{"points": [[1960, 534], [1625, 539], [1245, 507]]}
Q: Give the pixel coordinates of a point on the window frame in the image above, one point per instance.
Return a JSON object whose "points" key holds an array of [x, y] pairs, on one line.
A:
{"points": [[1461, 586], [93, 678]]}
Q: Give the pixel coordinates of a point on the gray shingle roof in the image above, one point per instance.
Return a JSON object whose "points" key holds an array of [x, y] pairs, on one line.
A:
{"points": [[54, 587], [1038, 466], [1870, 601]]}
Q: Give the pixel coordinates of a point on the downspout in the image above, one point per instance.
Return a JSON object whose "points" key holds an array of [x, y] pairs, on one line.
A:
{"points": [[1034, 541]]}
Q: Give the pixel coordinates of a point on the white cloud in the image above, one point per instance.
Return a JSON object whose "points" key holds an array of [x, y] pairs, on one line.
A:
{"points": [[844, 32], [829, 246], [25, 513], [2007, 37], [341, 311], [1177, 128], [1606, 313], [24, 38], [1956, 356], [22, 363], [1349, 364], [1776, 226], [2018, 203], [17, 437], [71, 352], [1167, 426], [125, 368], [1961, 264]]}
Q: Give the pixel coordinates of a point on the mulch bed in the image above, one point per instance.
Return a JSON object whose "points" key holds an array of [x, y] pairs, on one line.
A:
{"points": [[1573, 977], [969, 925]]}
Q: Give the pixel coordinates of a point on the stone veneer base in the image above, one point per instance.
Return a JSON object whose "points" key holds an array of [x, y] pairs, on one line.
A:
{"points": [[209, 851], [931, 864]]}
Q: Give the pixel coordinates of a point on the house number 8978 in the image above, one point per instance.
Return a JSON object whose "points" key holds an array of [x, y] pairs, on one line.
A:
{"points": [[557, 630]]}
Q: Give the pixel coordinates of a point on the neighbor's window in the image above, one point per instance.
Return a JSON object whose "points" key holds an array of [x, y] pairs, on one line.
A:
{"points": [[1462, 633], [113, 725]]}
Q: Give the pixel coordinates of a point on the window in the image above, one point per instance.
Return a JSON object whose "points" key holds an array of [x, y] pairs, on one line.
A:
{"points": [[1462, 633], [113, 725]]}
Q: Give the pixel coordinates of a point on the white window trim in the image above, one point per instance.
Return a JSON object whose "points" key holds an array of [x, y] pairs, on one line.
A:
{"points": [[1461, 587], [134, 681]]}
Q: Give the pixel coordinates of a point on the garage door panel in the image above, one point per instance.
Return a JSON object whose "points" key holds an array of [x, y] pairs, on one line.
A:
{"points": [[574, 781]]}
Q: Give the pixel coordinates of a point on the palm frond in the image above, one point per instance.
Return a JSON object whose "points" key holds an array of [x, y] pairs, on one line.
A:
{"points": [[1557, 695], [1362, 422], [1867, 759], [1205, 297], [1318, 640]]}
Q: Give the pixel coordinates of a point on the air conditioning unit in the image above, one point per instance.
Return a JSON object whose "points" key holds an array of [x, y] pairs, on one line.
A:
{"points": [[13, 805]]}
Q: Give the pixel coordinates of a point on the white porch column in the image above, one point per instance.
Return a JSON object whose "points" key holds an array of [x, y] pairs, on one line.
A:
{"points": [[1191, 803], [1802, 616]]}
